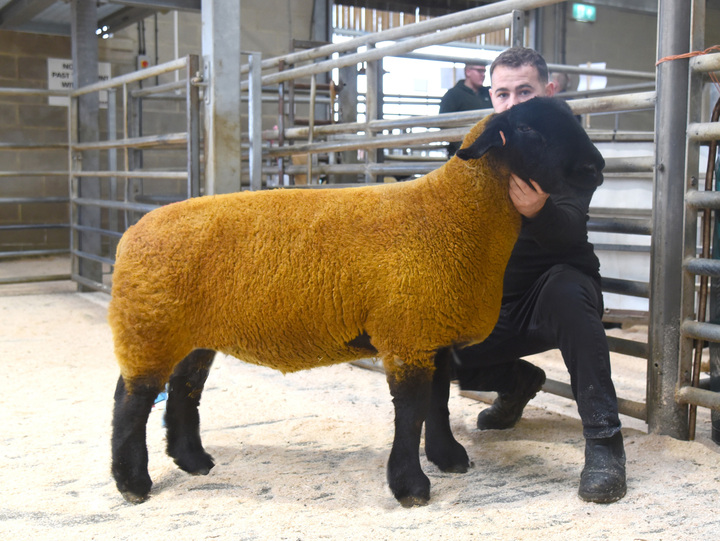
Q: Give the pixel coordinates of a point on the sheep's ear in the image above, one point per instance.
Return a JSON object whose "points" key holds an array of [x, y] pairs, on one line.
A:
{"points": [[488, 139]]}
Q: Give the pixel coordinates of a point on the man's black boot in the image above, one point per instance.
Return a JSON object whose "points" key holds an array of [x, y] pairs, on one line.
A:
{"points": [[507, 408], [603, 477]]}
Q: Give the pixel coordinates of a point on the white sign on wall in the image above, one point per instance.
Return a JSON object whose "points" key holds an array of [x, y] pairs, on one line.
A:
{"points": [[60, 77]]}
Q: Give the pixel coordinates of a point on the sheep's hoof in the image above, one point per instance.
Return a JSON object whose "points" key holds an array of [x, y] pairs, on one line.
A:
{"points": [[413, 501], [457, 468], [198, 464], [133, 498]]}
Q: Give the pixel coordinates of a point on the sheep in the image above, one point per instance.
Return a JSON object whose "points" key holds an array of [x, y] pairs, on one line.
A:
{"points": [[295, 279]]}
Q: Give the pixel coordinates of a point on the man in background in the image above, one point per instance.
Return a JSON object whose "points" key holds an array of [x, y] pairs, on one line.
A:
{"points": [[468, 94]]}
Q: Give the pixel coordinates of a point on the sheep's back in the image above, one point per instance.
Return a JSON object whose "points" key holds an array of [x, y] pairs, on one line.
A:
{"points": [[290, 278]]}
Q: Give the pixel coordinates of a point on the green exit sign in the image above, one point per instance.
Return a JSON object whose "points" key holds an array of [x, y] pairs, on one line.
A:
{"points": [[584, 13]]}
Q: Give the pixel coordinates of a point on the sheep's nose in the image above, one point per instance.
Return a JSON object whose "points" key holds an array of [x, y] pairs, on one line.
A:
{"points": [[599, 178]]}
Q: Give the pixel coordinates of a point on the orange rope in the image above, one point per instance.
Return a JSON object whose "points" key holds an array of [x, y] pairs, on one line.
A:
{"points": [[689, 55], [711, 75]]}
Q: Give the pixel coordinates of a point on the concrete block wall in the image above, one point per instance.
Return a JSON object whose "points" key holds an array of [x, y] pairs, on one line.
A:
{"points": [[30, 119], [23, 64]]}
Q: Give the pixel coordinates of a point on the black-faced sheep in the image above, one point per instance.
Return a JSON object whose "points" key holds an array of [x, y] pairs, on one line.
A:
{"points": [[295, 279]]}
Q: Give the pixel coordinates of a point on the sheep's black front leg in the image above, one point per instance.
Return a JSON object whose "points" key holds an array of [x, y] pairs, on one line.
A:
{"points": [[410, 389], [181, 413], [129, 450], [441, 448]]}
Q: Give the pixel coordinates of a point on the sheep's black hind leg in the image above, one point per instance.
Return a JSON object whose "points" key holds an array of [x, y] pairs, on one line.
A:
{"points": [[181, 413], [441, 448], [129, 450], [410, 389]]}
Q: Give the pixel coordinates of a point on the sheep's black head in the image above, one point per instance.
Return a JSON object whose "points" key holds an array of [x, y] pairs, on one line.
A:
{"points": [[541, 139]]}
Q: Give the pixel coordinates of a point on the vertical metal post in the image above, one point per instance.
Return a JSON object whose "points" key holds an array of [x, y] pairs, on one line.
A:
{"points": [[348, 111], [665, 416], [691, 349], [112, 155], [192, 119], [255, 120], [311, 125], [85, 68], [517, 30], [73, 165], [373, 107], [221, 64]]}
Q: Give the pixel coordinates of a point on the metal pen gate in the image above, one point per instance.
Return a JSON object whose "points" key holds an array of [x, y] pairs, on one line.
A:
{"points": [[108, 195]]}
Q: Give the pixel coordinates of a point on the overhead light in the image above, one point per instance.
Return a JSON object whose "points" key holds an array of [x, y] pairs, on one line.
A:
{"points": [[103, 32]]}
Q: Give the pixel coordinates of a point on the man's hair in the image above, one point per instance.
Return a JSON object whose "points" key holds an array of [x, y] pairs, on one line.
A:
{"points": [[516, 57]]}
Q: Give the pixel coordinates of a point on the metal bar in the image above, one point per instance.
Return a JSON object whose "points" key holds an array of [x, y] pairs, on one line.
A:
{"points": [[255, 121], [91, 283], [691, 351], [33, 146], [698, 199], [705, 63], [146, 141], [664, 415], [35, 279], [105, 232], [703, 267], [578, 70], [80, 201], [94, 257], [703, 131], [418, 28], [440, 37], [700, 331], [152, 71], [637, 164], [628, 347], [137, 173], [192, 121], [24, 200], [4, 174], [4, 91], [624, 102], [33, 253], [626, 287], [22, 227], [699, 397], [606, 247], [311, 124], [628, 226], [367, 142], [150, 91], [517, 28]]}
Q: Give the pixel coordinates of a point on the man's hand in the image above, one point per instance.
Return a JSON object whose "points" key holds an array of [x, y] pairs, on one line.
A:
{"points": [[527, 200]]}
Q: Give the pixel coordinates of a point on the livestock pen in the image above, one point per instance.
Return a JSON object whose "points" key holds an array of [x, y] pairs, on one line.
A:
{"points": [[407, 146], [670, 357]]}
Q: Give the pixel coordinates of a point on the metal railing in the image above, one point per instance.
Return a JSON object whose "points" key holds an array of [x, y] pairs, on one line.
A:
{"points": [[700, 323], [126, 188], [7, 176]]}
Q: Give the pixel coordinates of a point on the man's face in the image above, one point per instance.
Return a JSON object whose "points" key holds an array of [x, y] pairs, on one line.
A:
{"points": [[474, 76], [510, 86]]}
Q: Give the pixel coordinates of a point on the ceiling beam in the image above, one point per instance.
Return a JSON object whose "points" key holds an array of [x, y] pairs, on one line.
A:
{"points": [[125, 17], [21, 12], [165, 5]]}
